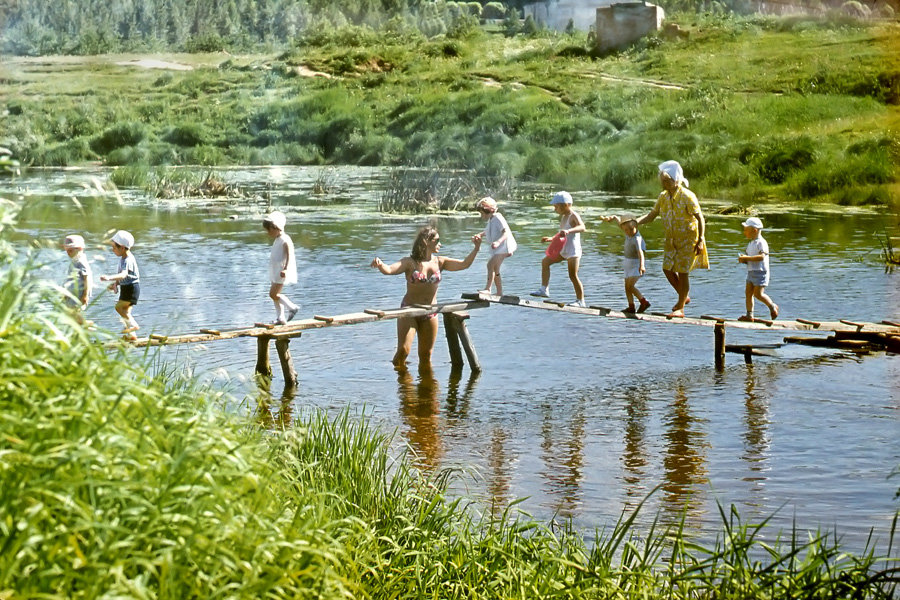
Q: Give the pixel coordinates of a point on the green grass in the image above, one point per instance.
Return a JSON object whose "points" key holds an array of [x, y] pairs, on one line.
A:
{"points": [[751, 91], [118, 483]]}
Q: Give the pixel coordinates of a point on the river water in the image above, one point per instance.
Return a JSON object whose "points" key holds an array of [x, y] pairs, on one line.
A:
{"points": [[581, 416]]}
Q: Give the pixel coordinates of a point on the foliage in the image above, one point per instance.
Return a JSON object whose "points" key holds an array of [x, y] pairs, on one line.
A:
{"points": [[118, 482], [734, 102]]}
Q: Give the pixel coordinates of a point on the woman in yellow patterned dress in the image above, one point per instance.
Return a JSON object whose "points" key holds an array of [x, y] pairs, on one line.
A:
{"points": [[684, 228]]}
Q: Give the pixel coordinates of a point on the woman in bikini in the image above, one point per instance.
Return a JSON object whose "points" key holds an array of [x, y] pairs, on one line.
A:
{"points": [[422, 269]]}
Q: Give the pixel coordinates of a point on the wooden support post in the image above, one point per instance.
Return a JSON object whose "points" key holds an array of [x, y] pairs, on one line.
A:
{"points": [[262, 356], [287, 364], [452, 333], [467, 344], [458, 335], [719, 333]]}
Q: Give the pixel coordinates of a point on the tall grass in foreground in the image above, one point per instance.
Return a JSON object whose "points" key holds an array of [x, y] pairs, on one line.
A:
{"points": [[115, 483]]}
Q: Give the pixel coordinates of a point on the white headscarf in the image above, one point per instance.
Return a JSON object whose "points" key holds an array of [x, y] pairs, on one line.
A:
{"points": [[673, 170]]}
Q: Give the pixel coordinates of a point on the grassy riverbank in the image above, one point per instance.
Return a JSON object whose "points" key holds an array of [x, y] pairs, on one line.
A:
{"points": [[115, 483], [755, 108]]}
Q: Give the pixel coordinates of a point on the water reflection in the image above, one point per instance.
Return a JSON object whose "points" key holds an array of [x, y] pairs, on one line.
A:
{"points": [[756, 421], [634, 453], [272, 414], [458, 401], [420, 413], [684, 461], [563, 455]]}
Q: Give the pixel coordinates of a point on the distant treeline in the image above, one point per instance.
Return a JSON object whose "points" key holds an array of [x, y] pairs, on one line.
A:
{"points": [[39, 27]]}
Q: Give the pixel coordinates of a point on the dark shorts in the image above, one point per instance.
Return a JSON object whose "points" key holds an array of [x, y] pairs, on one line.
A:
{"points": [[130, 293]]}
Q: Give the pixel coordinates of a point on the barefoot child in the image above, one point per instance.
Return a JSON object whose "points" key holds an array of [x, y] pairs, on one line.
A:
{"points": [[127, 281], [757, 261], [79, 281], [633, 261], [570, 227], [500, 239], [282, 266]]}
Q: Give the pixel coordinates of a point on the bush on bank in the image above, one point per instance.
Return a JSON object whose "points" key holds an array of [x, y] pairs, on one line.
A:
{"points": [[117, 482], [753, 107]]}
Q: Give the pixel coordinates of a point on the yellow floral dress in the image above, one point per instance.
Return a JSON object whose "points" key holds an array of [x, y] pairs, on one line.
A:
{"points": [[681, 230]]}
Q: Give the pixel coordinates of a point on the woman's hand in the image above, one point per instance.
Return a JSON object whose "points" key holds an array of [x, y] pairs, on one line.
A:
{"points": [[376, 263], [476, 241], [698, 247]]}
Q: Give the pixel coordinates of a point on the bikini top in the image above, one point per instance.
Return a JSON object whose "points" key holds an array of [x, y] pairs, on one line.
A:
{"points": [[419, 277]]}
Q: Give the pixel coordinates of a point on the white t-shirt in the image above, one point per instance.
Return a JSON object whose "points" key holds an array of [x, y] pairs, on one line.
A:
{"points": [[495, 226], [755, 248], [276, 260]]}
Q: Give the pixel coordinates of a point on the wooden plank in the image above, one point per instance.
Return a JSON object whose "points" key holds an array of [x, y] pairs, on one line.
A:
{"points": [[853, 324], [891, 323], [372, 311], [211, 331], [805, 322], [321, 318]]}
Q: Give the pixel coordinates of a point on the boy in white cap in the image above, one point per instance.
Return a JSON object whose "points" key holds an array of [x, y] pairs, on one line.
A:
{"points": [[570, 227], [282, 266], [79, 281], [500, 240], [127, 281], [757, 261]]}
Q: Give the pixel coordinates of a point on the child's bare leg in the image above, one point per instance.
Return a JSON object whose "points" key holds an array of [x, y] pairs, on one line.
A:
{"points": [[405, 334], [748, 298], [629, 291], [545, 270], [274, 293], [494, 273], [490, 279], [123, 307], [573, 276], [760, 293]]}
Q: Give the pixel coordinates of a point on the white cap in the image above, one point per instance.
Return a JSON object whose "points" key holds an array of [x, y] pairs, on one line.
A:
{"points": [[487, 202], [123, 238], [277, 219], [73, 242], [561, 198], [753, 222]]}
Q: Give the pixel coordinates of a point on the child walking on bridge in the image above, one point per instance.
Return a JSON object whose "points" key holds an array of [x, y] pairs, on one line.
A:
{"points": [[127, 281], [570, 228], [757, 261], [500, 241], [282, 266], [633, 262]]}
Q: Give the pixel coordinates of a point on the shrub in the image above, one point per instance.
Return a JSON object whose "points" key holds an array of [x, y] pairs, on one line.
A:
{"points": [[118, 136], [494, 10], [185, 134], [779, 159]]}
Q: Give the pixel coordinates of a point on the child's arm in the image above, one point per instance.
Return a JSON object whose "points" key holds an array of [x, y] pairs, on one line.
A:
{"points": [[115, 278], [744, 258], [286, 261], [83, 283], [454, 264], [641, 254], [503, 235], [579, 225], [398, 267], [612, 219]]}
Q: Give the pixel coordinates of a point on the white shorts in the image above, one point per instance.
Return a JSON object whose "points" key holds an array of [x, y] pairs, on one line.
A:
{"points": [[632, 267]]}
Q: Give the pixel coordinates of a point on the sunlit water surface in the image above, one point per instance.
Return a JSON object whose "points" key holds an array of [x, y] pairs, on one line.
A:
{"points": [[581, 416]]}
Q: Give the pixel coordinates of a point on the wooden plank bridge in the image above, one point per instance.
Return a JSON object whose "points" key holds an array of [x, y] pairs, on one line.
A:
{"points": [[845, 333]]}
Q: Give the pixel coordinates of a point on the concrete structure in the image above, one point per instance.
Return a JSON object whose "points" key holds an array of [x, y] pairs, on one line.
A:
{"points": [[620, 25]]}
